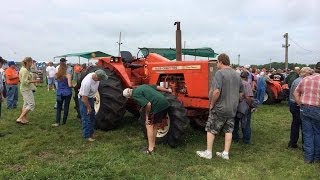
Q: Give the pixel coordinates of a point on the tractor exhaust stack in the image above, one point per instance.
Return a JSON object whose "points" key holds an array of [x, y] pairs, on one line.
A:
{"points": [[178, 42]]}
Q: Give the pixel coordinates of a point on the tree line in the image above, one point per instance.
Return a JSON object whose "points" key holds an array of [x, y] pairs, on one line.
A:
{"points": [[279, 65]]}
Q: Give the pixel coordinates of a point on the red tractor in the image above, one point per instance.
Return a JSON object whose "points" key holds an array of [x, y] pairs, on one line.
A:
{"points": [[276, 91], [189, 80]]}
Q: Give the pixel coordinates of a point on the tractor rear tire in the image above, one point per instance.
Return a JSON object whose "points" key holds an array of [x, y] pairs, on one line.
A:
{"points": [[270, 97], [179, 122], [112, 103]]}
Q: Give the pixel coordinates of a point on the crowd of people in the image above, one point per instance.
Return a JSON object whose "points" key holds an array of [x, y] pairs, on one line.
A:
{"points": [[225, 113], [58, 79], [234, 95]]}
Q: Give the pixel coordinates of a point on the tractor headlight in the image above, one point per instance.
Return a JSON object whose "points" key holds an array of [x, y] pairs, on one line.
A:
{"points": [[116, 59], [111, 60]]}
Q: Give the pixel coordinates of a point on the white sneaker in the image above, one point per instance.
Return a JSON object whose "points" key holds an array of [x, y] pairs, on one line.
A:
{"points": [[55, 125], [205, 154], [90, 139], [223, 156]]}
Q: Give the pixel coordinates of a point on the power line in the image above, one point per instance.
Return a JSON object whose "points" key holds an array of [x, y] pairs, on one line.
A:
{"points": [[299, 45]]}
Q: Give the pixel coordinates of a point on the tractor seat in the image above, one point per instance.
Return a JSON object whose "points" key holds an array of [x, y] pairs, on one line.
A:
{"points": [[126, 57]]}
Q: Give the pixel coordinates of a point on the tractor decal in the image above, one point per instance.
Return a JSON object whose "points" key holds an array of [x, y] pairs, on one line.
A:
{"points": [[190, 67]]}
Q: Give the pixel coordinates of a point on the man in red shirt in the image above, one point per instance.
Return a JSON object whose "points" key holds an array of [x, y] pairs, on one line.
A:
{"points": [[307, 96], [12, 80]]}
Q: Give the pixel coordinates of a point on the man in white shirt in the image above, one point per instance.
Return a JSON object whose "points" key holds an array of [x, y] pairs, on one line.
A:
{"points": [[51, 72], [89, 86]]}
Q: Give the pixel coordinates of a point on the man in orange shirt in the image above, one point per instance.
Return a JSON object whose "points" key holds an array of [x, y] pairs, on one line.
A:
{"points": [[77, 70], [12, 80]]}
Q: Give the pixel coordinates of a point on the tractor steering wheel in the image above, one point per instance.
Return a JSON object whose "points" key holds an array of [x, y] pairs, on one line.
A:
{"points": [[140, 50]]}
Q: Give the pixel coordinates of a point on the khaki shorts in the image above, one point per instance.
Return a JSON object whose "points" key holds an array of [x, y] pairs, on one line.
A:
{"points": [[215, 123], [28, 100]]}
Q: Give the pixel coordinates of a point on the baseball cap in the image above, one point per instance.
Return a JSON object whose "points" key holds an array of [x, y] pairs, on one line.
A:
{"points": [[10, 63], [246, 66], [101, 74], [126, 92], [63, 60], [317, 65], [244, 74]]}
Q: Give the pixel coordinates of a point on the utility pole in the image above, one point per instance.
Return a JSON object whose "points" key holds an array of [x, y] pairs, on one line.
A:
{"points": [[238, 59], [119, 43], [286, 46]]}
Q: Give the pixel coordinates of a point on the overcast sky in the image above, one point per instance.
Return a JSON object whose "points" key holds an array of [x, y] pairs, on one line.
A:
{"points": [[43, 29]]}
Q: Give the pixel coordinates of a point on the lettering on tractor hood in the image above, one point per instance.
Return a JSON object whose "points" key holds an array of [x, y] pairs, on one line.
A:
{"points": [[161, 68]]}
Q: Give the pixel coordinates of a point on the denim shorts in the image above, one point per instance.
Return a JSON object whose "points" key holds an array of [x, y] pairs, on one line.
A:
{"points": [[50, 81], [215, 123]]}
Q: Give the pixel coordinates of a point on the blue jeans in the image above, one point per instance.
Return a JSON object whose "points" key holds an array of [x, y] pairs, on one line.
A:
{"points": [[12, 96], [260, 94], [246, 129], [88, 120], [60, 100], [296, 123], [310, 116]]}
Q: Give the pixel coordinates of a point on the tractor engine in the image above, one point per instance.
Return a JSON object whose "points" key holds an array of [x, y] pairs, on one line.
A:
{"points": [[175, 82]]}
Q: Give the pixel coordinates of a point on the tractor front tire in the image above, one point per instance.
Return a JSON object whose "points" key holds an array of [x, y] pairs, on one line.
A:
{"points": [[111, 106], [269, 97], [178, 122]]}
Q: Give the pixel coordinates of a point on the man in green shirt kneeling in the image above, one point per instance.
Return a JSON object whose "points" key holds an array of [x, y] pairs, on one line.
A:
{"points": [[156, 108]]}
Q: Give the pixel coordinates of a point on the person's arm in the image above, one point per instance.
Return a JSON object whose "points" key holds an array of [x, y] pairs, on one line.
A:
{"points": [[87, 104], [69, 81], [297, 96], [247, 93], [143, 102], [215, 89], [215, 97], [164, 89]]}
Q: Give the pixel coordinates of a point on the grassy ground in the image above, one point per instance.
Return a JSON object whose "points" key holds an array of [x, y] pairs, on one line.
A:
{"points": [[39, 151]]}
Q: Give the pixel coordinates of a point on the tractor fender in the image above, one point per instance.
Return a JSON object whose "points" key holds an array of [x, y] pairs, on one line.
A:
{"points": [[118, 68]]}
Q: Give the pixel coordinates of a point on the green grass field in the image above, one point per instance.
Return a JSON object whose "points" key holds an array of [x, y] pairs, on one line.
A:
{"points": [[39, 151]]}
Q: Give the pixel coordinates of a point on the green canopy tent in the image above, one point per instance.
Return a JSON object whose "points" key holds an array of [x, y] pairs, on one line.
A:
{"points": [[170, 53], [86, 55]]}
